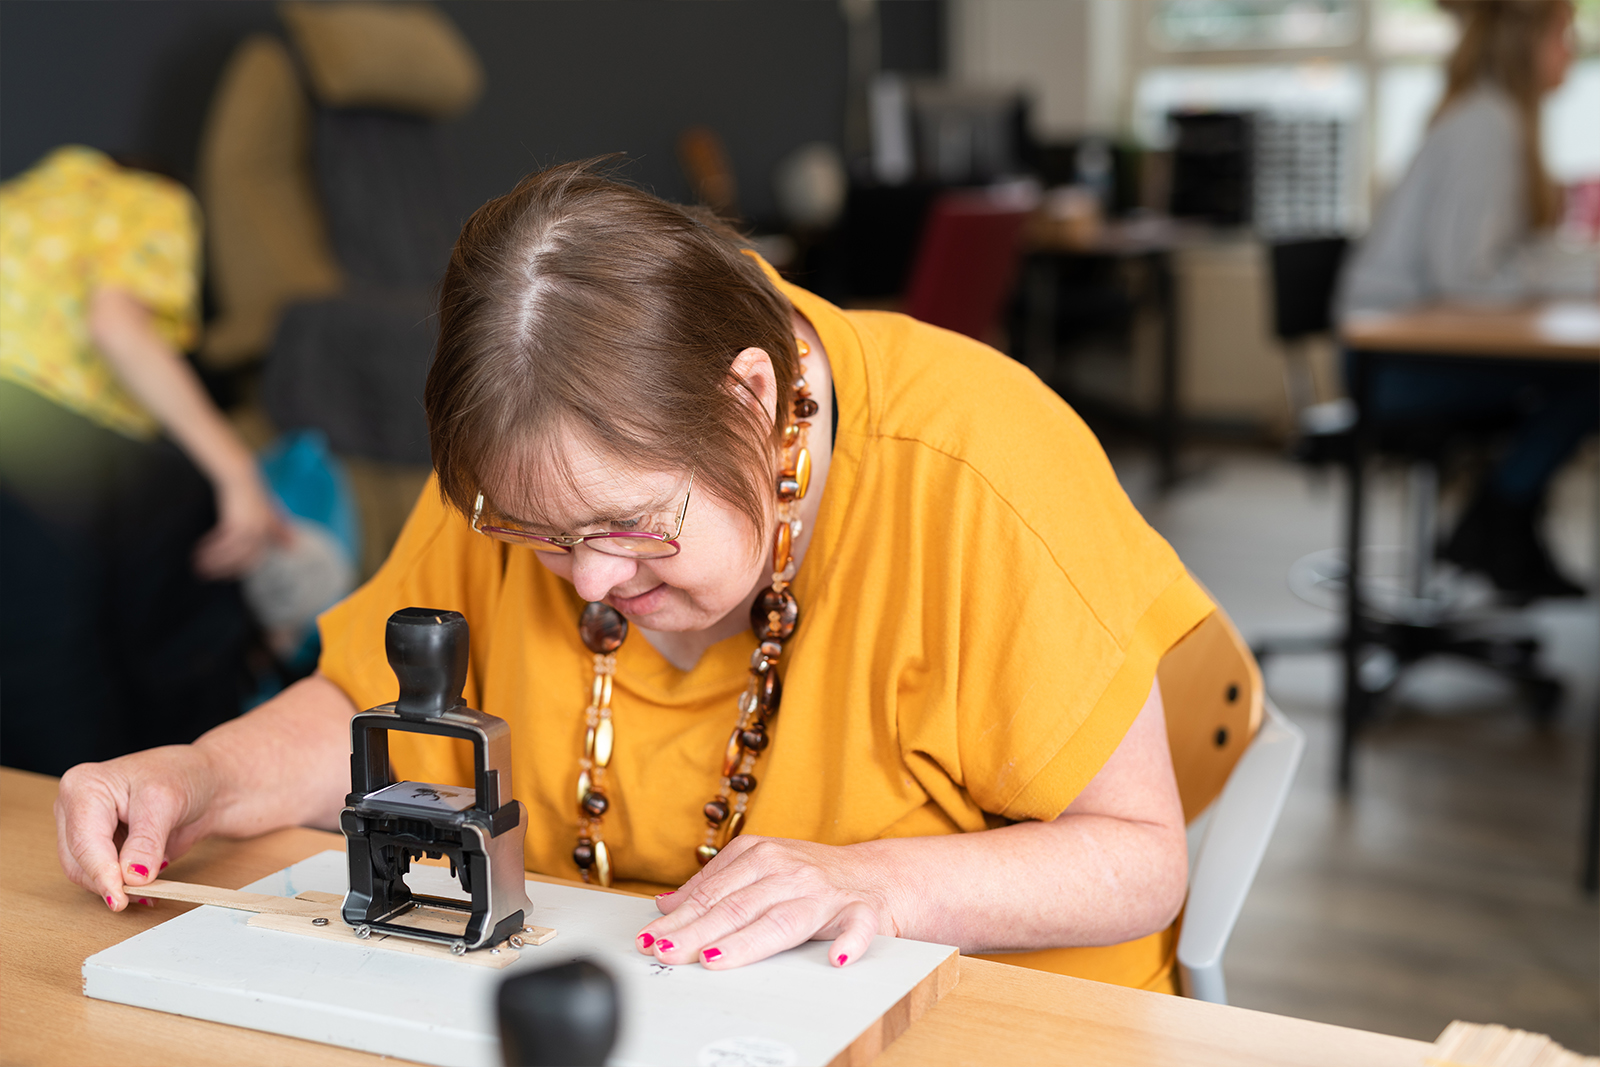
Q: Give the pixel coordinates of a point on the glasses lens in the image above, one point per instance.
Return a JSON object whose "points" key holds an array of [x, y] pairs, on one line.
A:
{"points": [[633, 546]]}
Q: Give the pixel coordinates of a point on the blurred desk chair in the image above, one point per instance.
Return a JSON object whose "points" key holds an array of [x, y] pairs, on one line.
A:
{"points": [[967, 261], [1235, 756], [1414, 614]]}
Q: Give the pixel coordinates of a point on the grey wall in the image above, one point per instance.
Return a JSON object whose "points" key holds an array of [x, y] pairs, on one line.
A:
{"points": [[566, 79]]}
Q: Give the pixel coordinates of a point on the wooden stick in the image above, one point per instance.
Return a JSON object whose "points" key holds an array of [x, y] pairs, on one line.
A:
{"points": [[161, 889]]}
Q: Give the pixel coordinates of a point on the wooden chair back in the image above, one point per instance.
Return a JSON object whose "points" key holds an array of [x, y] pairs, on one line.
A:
{"points": [[1211, 687]]}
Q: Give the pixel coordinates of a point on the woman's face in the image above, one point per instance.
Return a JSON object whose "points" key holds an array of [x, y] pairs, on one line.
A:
{"points": [[715, 571], [1555, 50]]}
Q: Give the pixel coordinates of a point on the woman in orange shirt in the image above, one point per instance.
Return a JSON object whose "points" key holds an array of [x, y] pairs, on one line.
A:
{"points": [[893, 534]]}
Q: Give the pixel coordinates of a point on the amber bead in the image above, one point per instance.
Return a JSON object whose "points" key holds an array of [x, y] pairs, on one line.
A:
{"points": [[774, 615], [602, 628], [802, 347], [802, 472], [735, 826], [754, 739], [595, 803], [791, 434], [805, 407], [742, 783], [705, 854], [782, 544], [583, 855], [716, 810], [732, 754], [770, 694]]}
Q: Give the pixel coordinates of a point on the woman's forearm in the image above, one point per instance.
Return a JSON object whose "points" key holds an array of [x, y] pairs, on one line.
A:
{"points": [[287, 763], [1081, 880], [168, 388]]}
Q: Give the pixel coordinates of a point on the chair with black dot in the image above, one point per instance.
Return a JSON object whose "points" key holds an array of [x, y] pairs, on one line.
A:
{"points": [[1235, 756]]}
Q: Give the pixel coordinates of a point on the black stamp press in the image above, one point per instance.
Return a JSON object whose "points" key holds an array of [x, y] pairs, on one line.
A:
{"points": [[387, 824]]}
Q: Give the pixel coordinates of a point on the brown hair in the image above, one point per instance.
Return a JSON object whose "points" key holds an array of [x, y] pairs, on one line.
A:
{"points": [[579, 303], [1500, 42]]}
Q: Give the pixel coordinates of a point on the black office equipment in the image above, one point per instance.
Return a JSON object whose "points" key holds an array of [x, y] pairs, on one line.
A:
{"points": [[387, 824], [558, 1016]]}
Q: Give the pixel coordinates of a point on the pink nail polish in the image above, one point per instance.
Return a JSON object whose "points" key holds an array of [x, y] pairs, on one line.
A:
{"points": [[843, 960], [140, 869], [668, 893], [647, 939], [110, 903], [165, 865], [147, 902], [711, 953], [663, 946]]}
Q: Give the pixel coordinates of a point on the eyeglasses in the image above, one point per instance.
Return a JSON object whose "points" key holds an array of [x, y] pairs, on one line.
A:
{"points": [[629, 543]]}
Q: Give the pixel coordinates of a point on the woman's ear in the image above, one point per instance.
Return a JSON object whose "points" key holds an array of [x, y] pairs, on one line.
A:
{"points": [[752, 369]]}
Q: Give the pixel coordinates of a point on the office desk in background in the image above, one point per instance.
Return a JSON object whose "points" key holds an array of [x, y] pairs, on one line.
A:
{"points": [[1555, 332], [996, 1014], [1150, 242]]}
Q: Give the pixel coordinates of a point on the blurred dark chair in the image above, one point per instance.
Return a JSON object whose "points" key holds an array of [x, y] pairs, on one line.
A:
{"points": [[967, 260], [1416, 619], [325, 183]]}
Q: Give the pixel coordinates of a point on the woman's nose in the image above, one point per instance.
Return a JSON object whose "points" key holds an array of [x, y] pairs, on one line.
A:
{"points": [[594, 574]]}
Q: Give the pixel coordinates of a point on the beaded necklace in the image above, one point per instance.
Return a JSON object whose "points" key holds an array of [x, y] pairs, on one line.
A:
{"points": [[773, 618]]}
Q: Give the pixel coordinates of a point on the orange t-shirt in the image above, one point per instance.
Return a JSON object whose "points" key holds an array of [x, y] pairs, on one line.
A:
{"points": [[982, 613]]}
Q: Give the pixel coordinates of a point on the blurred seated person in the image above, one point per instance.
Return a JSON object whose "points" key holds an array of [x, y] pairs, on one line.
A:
{"points": [[127, 502], [1471, 223]]}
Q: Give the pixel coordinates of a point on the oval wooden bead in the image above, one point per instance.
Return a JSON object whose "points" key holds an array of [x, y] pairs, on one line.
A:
{"points": [[732, 754], [716, 810], [754, 739], [595, 803], [770, 695], [742, 783], [583, 855], [735, 828], [602, 863], [774, 615], [805, 407], [584, 785], [782, 544], [602, 628], [605, 736], [802, 472], [705, 854]]}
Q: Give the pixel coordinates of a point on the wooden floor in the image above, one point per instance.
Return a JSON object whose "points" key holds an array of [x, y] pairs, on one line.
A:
{"points": [[1446, 886]]}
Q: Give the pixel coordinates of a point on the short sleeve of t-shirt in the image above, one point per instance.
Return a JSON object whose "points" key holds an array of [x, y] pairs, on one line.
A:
{"points": [[144, 237]]}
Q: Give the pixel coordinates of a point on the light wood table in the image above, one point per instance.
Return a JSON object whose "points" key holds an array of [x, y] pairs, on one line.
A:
{"points": [[1561, 331], [996, 1014]]}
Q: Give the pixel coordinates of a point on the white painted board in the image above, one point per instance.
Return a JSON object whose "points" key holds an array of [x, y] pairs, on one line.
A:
{"points": [[795, 1008]]}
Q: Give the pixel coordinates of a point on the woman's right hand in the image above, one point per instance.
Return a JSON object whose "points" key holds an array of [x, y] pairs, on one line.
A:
{"points": [[119, 822]]}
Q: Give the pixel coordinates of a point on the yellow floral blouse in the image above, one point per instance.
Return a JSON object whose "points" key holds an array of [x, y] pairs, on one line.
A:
{"points": [[74, 222]]}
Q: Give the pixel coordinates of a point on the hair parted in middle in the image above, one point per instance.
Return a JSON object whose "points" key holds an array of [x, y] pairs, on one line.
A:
{"points": [[579, 305]]}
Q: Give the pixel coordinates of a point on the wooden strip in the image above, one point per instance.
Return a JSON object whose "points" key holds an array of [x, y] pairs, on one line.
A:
{"points": [[161, 889], [908, 1009], [502, 955]]}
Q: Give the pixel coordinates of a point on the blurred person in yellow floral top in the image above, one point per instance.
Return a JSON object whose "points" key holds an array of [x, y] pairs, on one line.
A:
{"points": [[127, 502]]}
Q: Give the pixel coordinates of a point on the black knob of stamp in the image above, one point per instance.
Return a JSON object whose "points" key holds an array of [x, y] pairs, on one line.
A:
{"points": [[427, 650], [565, 1014]]}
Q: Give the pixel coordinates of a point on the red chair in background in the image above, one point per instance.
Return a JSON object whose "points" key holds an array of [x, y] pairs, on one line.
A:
{"points": [[968, 260]]}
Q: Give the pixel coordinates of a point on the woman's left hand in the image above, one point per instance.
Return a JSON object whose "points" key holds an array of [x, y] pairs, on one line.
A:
{"points": [[762, 895]]}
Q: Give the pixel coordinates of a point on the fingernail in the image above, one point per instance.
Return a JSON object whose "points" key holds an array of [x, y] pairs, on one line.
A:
{"points": [[147, 902], [663, 946], [647, 939], [165, 865], [843, 960], [140, 869], [668, 893], [111, 903], [711, 953]]}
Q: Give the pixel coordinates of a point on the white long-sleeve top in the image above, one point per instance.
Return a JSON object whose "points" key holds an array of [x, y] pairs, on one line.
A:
{"points": [[1457, 228]]}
